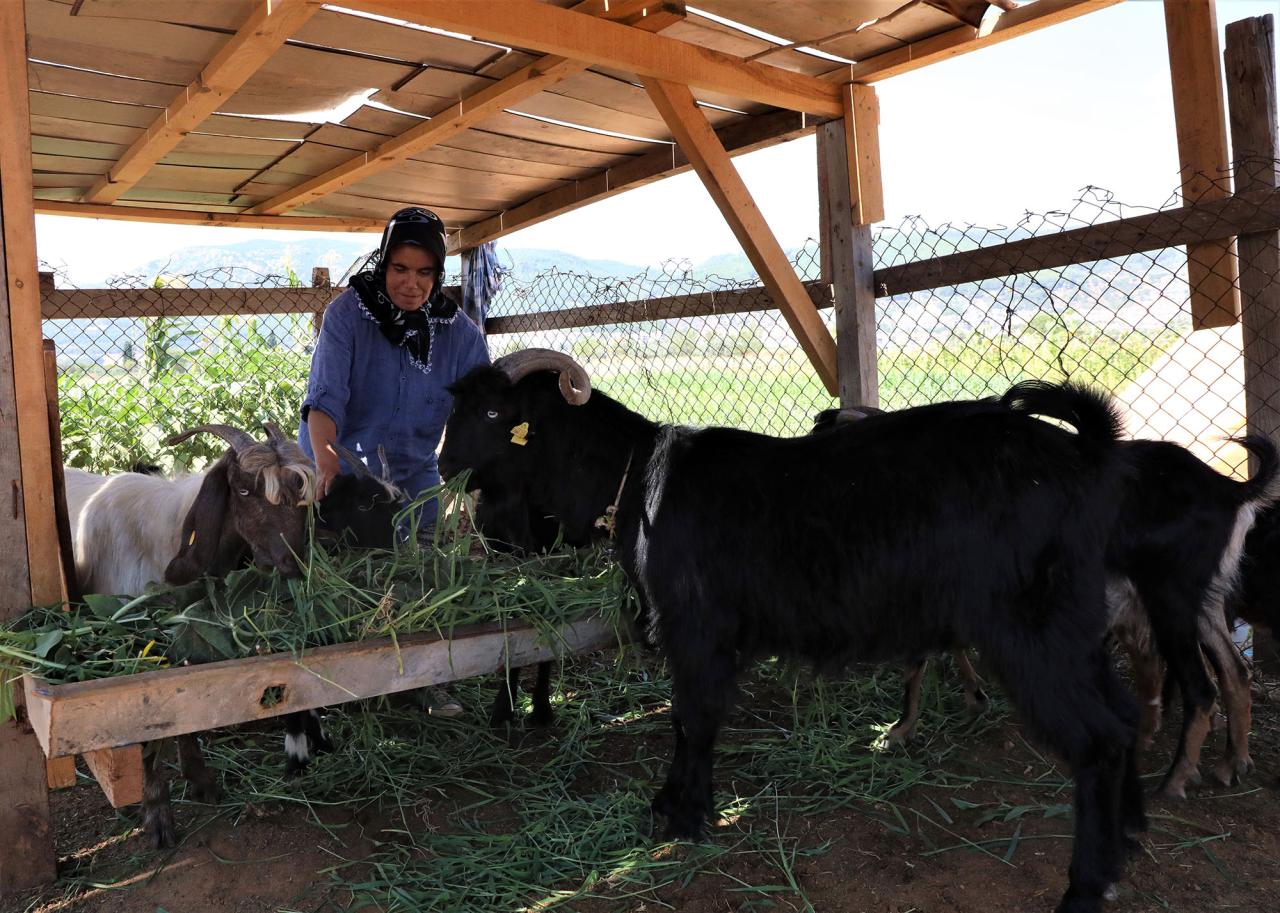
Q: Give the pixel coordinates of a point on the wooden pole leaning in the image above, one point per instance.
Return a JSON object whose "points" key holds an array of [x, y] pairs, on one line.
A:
{"points": [[712, 163]]}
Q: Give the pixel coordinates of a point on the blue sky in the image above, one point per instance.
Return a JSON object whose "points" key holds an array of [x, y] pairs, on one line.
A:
{"points": [[981, 138]]}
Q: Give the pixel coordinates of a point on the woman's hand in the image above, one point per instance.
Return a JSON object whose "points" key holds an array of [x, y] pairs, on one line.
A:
{"points": [[323, 434], [328, 468]]}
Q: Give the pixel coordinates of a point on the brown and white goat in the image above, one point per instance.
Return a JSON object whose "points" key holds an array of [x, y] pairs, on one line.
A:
{"points": [[133, 529]]}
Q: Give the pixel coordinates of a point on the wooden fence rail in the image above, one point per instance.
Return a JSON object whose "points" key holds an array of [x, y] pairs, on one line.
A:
{"points": [[1240, 214]]}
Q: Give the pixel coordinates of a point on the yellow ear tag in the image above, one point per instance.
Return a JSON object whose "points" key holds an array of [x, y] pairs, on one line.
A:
{"points": [[520, 434], [192, 540]]}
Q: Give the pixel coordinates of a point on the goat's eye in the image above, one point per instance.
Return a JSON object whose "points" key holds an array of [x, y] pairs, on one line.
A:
{"points": [[244, 492], [492, 414]]}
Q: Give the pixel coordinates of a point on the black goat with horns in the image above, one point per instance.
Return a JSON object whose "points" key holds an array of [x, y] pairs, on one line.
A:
{"points": [[956, 523]]}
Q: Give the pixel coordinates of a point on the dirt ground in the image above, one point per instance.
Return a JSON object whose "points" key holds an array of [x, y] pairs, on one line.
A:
{"points": [[1217, 851]]}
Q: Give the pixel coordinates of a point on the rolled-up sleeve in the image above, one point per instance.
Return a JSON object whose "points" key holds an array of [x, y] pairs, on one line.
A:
{"points": [[329, 383]]}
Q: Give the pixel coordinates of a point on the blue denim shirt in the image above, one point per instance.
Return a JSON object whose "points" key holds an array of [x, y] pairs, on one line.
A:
{"points": [[376, 395]]}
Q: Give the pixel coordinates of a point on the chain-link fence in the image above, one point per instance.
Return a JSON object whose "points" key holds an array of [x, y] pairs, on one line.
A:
{"points": [[703, 346]]}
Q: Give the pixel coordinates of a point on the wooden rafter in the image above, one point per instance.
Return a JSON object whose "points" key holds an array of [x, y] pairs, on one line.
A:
{"points": [[191, 217], [270, 24], [957, 41], [529, 80], [548, 29], [744, 136], [694, 134]]}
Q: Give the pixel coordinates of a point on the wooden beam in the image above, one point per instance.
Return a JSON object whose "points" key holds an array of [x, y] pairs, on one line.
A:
{"points": [[119, 773], [743, 136], [112, 712], [671, 307], [1186, 225], [1200, 116], [548, 29], [187, 217], [90, 304], [270, 24], [60, 772], [66, 548], [527, 81], [1251, 92], [524, 83], [848, 263], [862, 146], [712, 163], [1012, 24], [29, 570]]}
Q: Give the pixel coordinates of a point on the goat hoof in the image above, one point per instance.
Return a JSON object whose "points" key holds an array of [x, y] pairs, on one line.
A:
{"points": [[1074, 902], [898, 736], [1176, 787], [977, 702], [664, 801], [686, 826], [161, 832], [542, 717], [293, 768], [1233, 773]]}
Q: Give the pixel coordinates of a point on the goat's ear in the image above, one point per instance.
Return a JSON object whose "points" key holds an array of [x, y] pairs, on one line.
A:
{"points": [[202, 528]]}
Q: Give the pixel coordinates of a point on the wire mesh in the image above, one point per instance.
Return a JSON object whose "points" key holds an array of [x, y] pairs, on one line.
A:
{"points": [[701, 346]]}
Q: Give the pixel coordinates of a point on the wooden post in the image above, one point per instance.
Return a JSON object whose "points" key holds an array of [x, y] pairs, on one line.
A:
{"points": [[1200, 116], [1251, 89], [850, 197], [29, 570], [319, 279], [70, 585]]}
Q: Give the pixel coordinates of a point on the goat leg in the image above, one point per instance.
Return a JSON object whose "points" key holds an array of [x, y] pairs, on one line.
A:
{"points": [[203, 784], [504, 702], [542, 714], [902, 731], [1233, 681], [157, 812], [974, 697]]}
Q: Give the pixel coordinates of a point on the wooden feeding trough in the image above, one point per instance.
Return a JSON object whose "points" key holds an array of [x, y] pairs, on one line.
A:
{"points": [[105, 720]]}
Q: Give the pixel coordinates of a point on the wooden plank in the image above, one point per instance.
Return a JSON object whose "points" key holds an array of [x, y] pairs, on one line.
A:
{"points": [[848, 262], [672, 307], [742, 136], [1193, 224], [566, 33], [183, 217], [28, 572], [26, 836], [862, 146], [261, 35], [726, 187], [66, 549], [1025, 19], [1199, 113], [60, 772], [487, 105], [470, 111], [23, 288], [119, 773], [71, 82], [92, 304], [108, 713], [1251, 92]]}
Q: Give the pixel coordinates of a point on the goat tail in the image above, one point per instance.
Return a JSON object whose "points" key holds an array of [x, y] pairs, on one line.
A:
{"points": [[1091, 412], [1264, 487]]}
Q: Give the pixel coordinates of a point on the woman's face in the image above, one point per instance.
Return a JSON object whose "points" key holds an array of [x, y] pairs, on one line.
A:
{"points": [[411, 274]]}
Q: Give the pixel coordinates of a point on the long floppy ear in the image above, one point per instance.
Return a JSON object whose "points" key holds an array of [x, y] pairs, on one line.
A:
{"points": [[202, 528]]}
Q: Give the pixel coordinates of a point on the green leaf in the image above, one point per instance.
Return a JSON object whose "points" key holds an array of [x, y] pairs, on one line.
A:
{"points": [[200, 637], [104, 607], [47, 641]]}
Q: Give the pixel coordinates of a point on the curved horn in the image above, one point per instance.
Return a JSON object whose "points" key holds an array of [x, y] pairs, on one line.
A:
{"points": [[386, 467], [273, 432], [575, 384], [354, 463], [233, 436]]}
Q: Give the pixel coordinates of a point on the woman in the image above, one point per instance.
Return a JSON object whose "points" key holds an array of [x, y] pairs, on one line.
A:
{"points": [[389, 347]]}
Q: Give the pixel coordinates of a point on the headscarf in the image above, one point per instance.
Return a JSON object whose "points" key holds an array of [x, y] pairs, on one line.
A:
{"points": [[410, 330]]}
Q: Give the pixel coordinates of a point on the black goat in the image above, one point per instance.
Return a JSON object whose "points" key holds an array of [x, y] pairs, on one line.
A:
{"points": [[956, 523], [1172, 557], [1257, 598]]}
